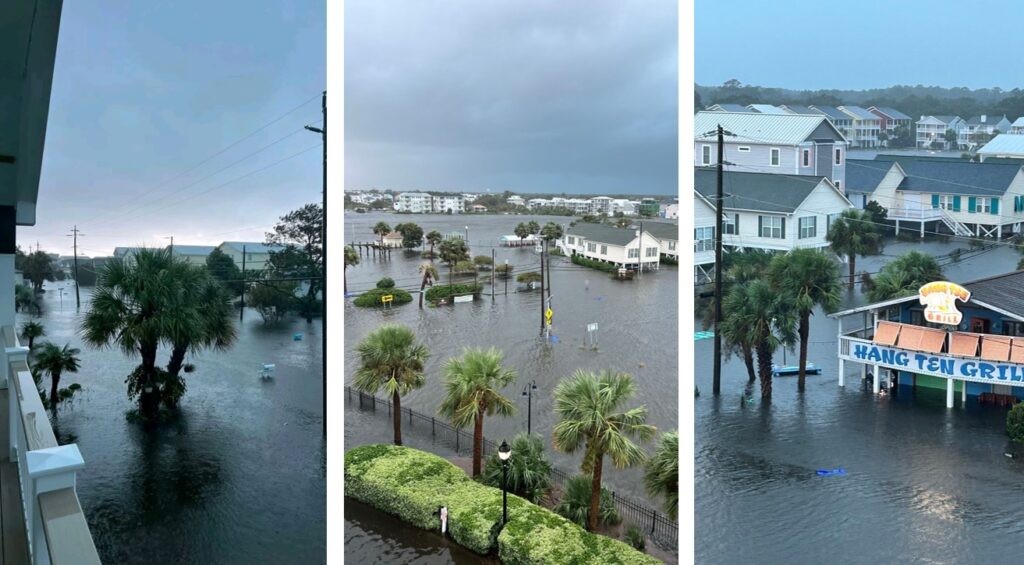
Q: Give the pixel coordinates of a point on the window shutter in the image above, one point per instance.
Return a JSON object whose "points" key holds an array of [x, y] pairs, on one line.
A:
{"points": [[783, 228], [760, 226], [995, 206], [956, 203], [972, 204], [935, 201], [736, 223]]}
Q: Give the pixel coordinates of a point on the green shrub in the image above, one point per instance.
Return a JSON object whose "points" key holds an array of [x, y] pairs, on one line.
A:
{"points": [[1015, 422], [635, 538], [413, 485], [594, 264], [575, 503], [439, 292], [372, 298], [530, 277], [529, 473], [386, 282], [669, 260]]}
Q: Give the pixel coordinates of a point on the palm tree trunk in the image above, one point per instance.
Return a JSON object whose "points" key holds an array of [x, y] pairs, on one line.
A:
{"points": [[748, 360], [54, 383], [805, 330], [478, 442], [31, 340], [149, 399], [177, 360], [852, 266], [423, 285], [595, 495], [764, 368], [344, 280], [396, 404]]}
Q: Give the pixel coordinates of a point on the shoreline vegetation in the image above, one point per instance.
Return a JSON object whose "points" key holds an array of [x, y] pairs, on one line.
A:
{"points": [[413, 485]]}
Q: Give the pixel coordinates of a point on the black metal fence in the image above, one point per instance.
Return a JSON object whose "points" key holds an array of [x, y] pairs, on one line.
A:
{"points": [[661, 529]]}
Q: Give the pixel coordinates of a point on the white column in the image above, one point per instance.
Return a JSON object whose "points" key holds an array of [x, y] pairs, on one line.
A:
{"points": [[7, 297], [876, 381], [49, 469], [897, 226], [963, 393], [922, 229], [839, 351], [999, 231], [950, 385]]}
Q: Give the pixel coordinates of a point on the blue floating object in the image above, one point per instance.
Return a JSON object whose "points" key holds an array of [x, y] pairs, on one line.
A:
{"points": [[554, 338], [297, 337], [598, 298], [831, 472]]}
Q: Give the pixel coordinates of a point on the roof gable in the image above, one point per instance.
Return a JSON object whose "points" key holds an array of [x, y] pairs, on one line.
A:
{"points": [[973, 179], [749, 127], [765, 192]]}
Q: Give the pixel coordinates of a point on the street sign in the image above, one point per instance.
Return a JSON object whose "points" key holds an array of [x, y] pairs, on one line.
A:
{"points": [[548, 314], [387, 298], [592, 327]]}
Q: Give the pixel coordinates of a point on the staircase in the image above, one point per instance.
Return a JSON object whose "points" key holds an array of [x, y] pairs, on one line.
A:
{"points": [[958, 228]]}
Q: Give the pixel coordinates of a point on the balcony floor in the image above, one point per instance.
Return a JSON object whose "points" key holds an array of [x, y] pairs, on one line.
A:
{"points": [[15, 540]]}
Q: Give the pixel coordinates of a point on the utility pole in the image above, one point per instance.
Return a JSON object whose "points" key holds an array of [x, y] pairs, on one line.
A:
{"points": [[74, 234], [492, 275], [640, 253], [323, 250], [546, 243], [717, 382], [172, 244], [507, 275], [241, 311], [541, 291]]}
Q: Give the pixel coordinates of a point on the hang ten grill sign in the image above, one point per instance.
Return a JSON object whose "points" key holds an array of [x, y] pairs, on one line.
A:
{"points": [[939, 299], [938, 365]]}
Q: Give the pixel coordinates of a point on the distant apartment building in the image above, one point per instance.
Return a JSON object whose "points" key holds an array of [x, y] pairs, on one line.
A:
{"points": [[414, 203], [765, 109], [979, 129], [601, 206], [864, 129], [669, 211], [788, 144], [931, 131], [838, 118], [515, 201], [449, 204], [891, 119]]}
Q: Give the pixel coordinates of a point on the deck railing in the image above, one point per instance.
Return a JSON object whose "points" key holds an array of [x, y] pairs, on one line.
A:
{"points": [[57, 531], [662, 530]]}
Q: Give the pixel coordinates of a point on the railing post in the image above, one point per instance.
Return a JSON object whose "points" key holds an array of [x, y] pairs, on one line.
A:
{"points": [[13, 355], [49, 469]]}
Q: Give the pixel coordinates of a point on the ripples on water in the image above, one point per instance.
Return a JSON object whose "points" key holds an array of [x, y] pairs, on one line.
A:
{"points": [[239, 477], [924, 484]]}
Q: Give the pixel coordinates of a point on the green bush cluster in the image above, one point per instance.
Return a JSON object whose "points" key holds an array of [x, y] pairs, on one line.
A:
{"points": [[594, 264], [371, 298], [1015, 422], [386, 282], [439, 292], [413, 485]]}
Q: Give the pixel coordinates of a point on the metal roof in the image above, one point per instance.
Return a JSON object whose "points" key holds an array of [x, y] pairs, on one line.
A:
{"points": [[193, 249], [765, 192], [973, 179], [802, 110], [944, 119], [864, 175], [603, 233], [252, 246], [832, 112], [1004, 144], [859, 113], [727, 108], [892, 113], [766, 109], [750, 127], [1019, 122]]}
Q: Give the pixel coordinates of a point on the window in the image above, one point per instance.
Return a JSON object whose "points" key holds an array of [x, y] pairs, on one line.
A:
{"points": [[808, 227], [839, 185], [839, 157], [651, 252], [604, 250], [984, 206], [807, 158], [829, 220], [591, 246], [1015, 329], [775, 156], [743, 149], [634, 253], [772, 227], [705, 155], [671, 246], [731, 224], [703, 239], [572, 240], [946, 201]]}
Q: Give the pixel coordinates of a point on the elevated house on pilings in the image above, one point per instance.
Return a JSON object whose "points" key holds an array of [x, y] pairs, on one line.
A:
{"points": [[966, 340]]}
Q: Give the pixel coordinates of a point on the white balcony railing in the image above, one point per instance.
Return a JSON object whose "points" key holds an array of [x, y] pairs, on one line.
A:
{"points": [[916, 214], [57, 531]]}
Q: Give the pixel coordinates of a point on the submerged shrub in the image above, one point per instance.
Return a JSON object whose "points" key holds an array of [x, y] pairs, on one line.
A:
{"points": [[575, 503], [439, 291], [529, 473], [1015, 422], [635, 538], [372, 298], [386, 282]]}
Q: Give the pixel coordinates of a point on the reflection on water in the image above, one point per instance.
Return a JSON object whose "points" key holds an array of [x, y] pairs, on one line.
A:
{"points": [[237, 477], [638, 329], [924, 484]]}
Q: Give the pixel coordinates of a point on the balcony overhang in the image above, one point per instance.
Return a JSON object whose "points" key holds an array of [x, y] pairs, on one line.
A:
{"points": [[28, 47]]}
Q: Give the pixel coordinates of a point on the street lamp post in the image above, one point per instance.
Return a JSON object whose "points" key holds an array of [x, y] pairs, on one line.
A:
{"points": [[528, 393], [467, 236], [504, 452]]}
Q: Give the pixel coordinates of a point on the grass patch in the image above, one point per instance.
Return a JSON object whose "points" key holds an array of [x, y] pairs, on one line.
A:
{"points": [[439, 292]]}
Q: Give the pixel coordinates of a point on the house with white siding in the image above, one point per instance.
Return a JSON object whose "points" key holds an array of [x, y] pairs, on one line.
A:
{"points": [[257, 254], [931, 131], [625, 247], [773, 212], [865, 127], [703, 239], [1017, 127], [667, 235], [414, 202], [788, 144], [980, 129], [1003, 146], [449, 204]]}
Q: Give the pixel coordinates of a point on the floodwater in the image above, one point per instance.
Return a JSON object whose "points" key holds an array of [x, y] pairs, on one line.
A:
{"points": [[924, 483], [638, 331], [239, 477]]}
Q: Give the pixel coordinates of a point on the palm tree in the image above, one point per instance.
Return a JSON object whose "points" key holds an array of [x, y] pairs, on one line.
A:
{"points": [[533, 226], [32, 330], [351, 259], [587, 406], [433, 238], [904, 276], [551, 232], [740, 267], [768, 319], [472, 390], [430, 274], [853, 233], [452, 251], [135, 305], [56, 361], [661, 476], [382, 229], [390, 359], [808, 278], [522, 230], [213, 327]]}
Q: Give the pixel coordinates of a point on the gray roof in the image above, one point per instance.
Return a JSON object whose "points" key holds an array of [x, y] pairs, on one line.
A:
{"points": [[728, 108], [832, 112], [1001, 291], [973, 179], [193, 249], [252, 246], [804, 110], [892, 113], [765, 192], [122, 251], [766, 109], [990, 120], [864, 175], [751, 127], [662, 230], [603, 233], [943, 119], [861, 113]]}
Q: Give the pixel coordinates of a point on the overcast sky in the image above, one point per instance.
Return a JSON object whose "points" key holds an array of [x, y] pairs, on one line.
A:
{"points": [[541, 96], [809, 44], [144, 91]]}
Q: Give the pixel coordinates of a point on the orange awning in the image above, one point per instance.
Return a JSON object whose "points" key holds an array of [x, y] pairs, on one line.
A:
{"points": [[932, 340], [995, 348], [910, 337], [886, 332], [1017, 351], [965, 345]]}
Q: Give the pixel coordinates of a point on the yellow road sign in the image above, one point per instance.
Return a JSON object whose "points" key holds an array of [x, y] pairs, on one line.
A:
{"points": [[387, 298], [548, 314]]}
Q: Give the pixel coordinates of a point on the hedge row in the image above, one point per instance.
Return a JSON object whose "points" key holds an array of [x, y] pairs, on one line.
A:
{"points": [[413, 485], [371, 298], [441, 291], [594, 264]]}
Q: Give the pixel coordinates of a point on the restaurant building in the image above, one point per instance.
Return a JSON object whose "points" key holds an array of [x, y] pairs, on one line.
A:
{"points": [[967, 340]]}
